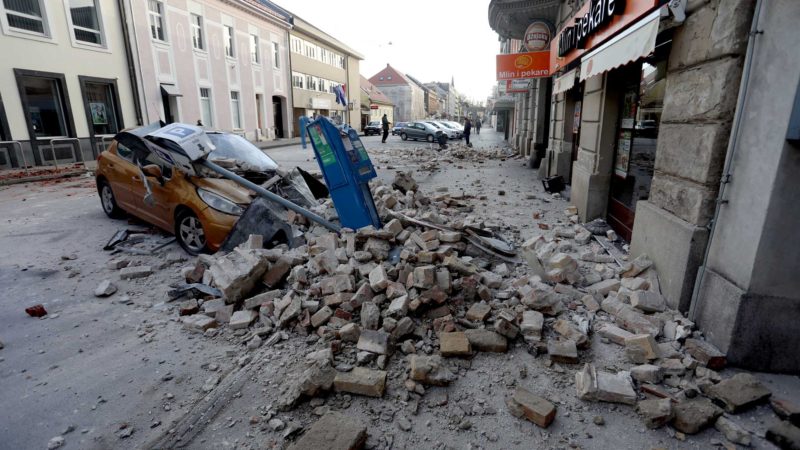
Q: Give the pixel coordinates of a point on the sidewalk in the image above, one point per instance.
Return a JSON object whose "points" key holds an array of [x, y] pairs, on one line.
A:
{"points": [[277, 143], [43, 173]]}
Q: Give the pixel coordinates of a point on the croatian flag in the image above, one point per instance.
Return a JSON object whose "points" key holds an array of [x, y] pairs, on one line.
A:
{"points": [[340, 96]]}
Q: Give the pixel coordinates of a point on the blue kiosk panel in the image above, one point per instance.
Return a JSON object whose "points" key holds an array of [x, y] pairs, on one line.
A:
{"points": [[347, 170]]}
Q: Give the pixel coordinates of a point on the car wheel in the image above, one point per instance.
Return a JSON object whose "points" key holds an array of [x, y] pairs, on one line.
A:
{"points": [[430, 138], [108, 201], [403, 136], [189, 233]]}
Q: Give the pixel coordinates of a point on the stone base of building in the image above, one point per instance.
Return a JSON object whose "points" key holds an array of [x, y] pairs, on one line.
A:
{"points": [[589, 191], [676, 248], [756, 332]]}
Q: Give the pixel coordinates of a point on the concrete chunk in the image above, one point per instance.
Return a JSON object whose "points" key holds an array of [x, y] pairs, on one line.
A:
{"points": [[647, 373], [649, 302], [430, 370], [604, 287], [570, 331], [739, 393], [374, 341], [614, 333], [334, 431], [705, 353], [532, 324], [454, 344], [595, 385], [242, 319], [361, 381], [378, 280], [478, 312], [538, 410], [131, 273], [562, 351], [483, 340], [641, 348], [692, 416], [655, 412]]}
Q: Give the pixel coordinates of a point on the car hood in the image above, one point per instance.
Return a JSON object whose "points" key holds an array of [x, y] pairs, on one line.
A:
{"points": [[226, 188]]}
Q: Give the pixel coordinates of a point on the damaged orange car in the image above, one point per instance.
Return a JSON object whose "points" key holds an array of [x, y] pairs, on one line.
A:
{"points": [[200, 209]]}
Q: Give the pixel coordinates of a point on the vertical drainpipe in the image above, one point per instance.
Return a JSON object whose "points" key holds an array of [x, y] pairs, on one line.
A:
{"points": [[137, 105], [289, 101]]}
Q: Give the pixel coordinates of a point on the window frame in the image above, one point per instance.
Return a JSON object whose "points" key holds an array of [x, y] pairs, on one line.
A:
{"points": [[9, 30], [295, 41], [200, 29], [206, 123], [112, 83], [162, 20], [276, 55], [236, 114], [229, 41], [100, 24], [255, 49]]}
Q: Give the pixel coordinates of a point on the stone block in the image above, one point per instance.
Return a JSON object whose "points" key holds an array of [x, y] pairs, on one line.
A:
{"points": [[198, 323], [378, 280], [292, 311], [655, 412], [188, 308], [478, 312], [532, 324], [702, 93], [604, 287], [562, 351], [641, 348], [570, 331], [739, 393], [236, 273], [484, 340], [336, 283], [538, 410], [334, 431], [424, 277], [361, 381], [692, 416], [454, 344], [242, 319], [321, 316], [732, 431], [349, 333], [709, 142], [631, 319], [649, 302], [614, 333], [784, 435], [711, 31], [506, 327], [647, 373], [635, 283], [398, 307], [705, 353], [430, 370], [256, 301], [595, 385], [134, 272], [277, 273], [105, 289], [374, 341], [370, 316]]}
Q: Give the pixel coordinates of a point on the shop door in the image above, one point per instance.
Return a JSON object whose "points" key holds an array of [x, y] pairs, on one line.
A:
{"points": [[277, 114], [636, 142]]}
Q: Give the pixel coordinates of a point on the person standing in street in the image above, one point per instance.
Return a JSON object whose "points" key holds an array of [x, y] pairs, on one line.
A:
{"points": [[478, 126], [467, 130], [385, 125]]}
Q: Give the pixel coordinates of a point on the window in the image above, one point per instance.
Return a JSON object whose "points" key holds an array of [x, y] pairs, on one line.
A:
{"points": [[297, 80], [322, 85], [85, 21], [255, 58], [311, 83], [235, 110], [124, 152], [197, 32], [156, 15], [25, 15], [297, 44], [310, 50], [44, 105], [102, 103], [229, 45], [276, 55], [205, 107]]}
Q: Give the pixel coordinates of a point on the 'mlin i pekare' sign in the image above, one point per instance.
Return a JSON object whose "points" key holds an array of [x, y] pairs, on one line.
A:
{"points": [[533, 64]]}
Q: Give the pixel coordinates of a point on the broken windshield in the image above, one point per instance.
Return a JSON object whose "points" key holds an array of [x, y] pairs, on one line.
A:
{"points": [[231, 147]]}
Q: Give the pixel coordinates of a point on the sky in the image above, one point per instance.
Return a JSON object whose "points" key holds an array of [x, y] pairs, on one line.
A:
{"points": [[431, 40]]}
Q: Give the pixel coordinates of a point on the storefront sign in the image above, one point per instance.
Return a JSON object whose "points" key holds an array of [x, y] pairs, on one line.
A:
{"points": [[517, 86], [373, 106], [537, 36], [320, 103], [515, 66], [594, 23]]}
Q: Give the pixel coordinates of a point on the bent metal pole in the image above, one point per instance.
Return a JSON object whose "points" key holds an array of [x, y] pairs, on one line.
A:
{"points": [[269, 195]]}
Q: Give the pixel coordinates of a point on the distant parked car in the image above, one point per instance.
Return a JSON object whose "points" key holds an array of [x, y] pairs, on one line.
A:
{"points": [[419, 130], [398, 127], [457, 132], [455, 125], [373, 127], [449, 132]]}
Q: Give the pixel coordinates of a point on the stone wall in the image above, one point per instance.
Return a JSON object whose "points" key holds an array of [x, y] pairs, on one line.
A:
{"points": [[703, 76]]}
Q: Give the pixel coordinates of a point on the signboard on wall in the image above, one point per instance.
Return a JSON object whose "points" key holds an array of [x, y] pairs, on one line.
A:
{"points": [[517, 86], [515, 66], [537, 36], [593, 24]]}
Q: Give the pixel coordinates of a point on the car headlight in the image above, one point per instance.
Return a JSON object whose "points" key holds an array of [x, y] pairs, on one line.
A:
{"points": [[220, 203]]}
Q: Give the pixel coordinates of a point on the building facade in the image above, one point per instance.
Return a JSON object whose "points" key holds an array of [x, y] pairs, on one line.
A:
{"points": [[646, 122], [320, 64], [374, 104], [52, 108], [223, 64], [407, 96]]}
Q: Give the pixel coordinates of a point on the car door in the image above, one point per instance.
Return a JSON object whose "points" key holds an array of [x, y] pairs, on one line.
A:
{"points": [[158, 213], [419, 131], [120, 170]]}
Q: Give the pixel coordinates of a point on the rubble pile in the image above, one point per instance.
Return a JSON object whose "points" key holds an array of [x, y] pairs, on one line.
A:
{"points": [[408, 305]]}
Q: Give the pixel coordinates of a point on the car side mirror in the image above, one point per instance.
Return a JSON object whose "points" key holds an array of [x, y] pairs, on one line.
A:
{"points": [[154, 171]]}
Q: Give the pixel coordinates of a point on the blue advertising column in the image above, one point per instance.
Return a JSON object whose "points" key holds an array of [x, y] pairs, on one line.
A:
{"points": [[347, 170]]}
